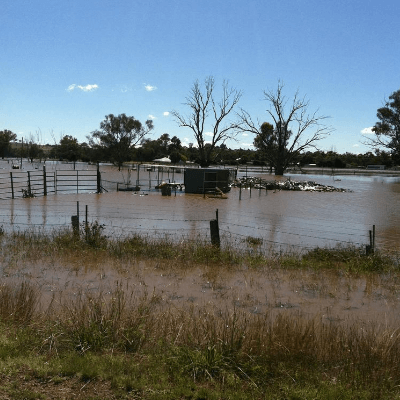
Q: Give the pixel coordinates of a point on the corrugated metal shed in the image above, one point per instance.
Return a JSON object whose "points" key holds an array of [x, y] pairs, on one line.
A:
{"points": [[205, 180]]}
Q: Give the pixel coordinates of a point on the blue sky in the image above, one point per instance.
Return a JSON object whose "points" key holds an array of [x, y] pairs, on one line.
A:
{"points": [[67, 64]]}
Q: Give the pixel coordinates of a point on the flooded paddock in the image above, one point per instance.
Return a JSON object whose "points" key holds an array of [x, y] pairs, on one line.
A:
{"points": [[277, 220], [282, 220]]}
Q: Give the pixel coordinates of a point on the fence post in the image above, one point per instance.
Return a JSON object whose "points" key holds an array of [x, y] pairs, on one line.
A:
{"points": [[29, 183], [77, 181], [44, 181], [98, 179], [75, 221], [373, 237], [240, 192], [12, 186], [86, 222], [214, 230], [370, 248], [55, 181]]}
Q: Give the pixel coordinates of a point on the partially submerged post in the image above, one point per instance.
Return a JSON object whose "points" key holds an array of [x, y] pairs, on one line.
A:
{"points": [[12, 186], [214, 231], [370, 248], [75, 221], [44, 181], [98, 179]]}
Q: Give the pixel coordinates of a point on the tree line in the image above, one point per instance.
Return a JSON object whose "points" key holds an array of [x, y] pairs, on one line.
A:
{"points": [[289, 138]]}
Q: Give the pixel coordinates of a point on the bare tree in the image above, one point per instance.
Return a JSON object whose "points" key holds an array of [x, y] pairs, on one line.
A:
{"points": [[206, 113], [291, 124]]}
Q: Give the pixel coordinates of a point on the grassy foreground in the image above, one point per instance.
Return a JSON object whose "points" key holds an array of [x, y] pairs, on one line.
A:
{"points": [[98, 345]]}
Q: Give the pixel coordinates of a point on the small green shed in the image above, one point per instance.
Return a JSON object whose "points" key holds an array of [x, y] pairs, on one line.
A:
{"points": [[205, 180]]}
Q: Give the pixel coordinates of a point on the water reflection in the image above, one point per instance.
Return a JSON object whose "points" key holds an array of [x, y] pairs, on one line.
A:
{"points": [[300, 219]]}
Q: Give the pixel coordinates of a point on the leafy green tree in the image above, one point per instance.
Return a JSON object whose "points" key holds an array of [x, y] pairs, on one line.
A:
{"points": [[118, 135], [6, 137], [33, 151], [69, 149], [207, 117], [265, 142], [291, 122], [163, 142], [387, 129]]}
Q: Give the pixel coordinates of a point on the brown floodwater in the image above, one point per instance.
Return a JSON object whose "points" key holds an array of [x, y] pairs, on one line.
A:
{"points": [[321, 295], [282, 220]]}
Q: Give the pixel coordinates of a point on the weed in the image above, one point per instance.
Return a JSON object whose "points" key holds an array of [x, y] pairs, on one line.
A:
{"points": [[93, 234], [254, 241], [27, 193]]}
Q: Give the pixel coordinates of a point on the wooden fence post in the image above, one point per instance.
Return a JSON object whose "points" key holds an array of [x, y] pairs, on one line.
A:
{"points": [[86, 222], [77, 181], [29, 183], [214, 230], [98, 179], [373, 237], [44, 181], [370, 248], [75, 221], [12, 185]]}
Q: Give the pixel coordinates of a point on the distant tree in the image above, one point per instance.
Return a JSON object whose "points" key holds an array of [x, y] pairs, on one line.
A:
{"points": [[265, 142], [208, 114], [6, 137], [387, 129], [69, 148], [163, 141], [33, 150], [118, 135], [291, 125], [175, 144]]}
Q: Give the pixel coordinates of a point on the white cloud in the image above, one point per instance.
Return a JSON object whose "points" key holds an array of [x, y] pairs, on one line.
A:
{"points": [[367, 131], [166, 113], [356, 145], [150, 88], [87, 88], [208, 133], [152, 116], [245, 134]]}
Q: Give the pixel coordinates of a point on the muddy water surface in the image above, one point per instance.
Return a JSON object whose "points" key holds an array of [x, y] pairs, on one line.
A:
{"points": [[282, 220]]}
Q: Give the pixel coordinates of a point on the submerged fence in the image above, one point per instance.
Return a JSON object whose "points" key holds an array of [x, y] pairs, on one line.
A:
{"points": [[19, 184], [244, 231]]}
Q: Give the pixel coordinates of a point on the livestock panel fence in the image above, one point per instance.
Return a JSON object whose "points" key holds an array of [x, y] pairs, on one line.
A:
{"points": [[17, 183]]}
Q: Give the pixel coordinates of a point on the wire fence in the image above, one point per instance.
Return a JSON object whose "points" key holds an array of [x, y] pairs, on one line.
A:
{"points": [[244, 231], [247, 228]]}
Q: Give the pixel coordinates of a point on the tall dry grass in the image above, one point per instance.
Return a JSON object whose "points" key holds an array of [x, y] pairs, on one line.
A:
{"points": [[214, 343]]}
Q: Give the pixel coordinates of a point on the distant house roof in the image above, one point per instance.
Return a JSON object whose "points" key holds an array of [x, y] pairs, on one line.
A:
{"points": [[162, 160]]}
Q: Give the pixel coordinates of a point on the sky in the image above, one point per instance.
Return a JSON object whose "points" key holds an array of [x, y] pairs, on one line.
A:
{"points": [[65, 65]]}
